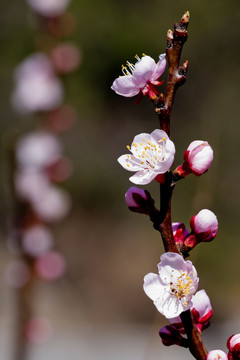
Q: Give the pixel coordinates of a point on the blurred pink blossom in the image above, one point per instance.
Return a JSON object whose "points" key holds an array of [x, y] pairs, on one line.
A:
{"points": [[49, 8], [31, 185], [17, 274], [53, 205], [65, 57], [37, 330], [37, 240], [50, 266], [38, 150], [62, 118], [36, 86]]}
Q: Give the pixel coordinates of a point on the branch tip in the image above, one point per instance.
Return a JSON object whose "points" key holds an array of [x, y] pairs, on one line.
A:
{"points": [[169, 35], [185, 18]]}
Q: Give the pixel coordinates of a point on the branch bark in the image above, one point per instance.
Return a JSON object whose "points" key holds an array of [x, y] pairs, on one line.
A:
{"points": [[163, 108]]}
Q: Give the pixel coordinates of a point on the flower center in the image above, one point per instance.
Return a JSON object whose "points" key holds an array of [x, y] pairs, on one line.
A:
{"points": [[150, 153], [129, 68], [180, 287]]}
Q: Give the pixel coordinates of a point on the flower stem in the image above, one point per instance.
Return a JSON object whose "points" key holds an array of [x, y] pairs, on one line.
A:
{"points": [[163, 108], [196, 346]]}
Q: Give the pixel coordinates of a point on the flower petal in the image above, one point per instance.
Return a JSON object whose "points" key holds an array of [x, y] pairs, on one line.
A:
{"points": [[170, 306], [143, 71], [160, 67], [129, 163], [152, 286], [171, 261], [143, 177], [125, 86]]}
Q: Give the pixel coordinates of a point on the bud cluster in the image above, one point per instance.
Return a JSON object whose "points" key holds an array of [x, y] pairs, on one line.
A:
{"points": [[204, 227]]}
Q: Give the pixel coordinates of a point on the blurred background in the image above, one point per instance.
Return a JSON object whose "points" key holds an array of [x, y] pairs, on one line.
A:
{"points": [[98, 309]]}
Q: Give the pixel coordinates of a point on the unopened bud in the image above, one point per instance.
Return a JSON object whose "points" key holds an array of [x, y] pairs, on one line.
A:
{"points": [[204, 225], [233, 345], [190, 242], [198, 158], [201, 310], [179, 233], [171, 336], [217, 355], [139, 200], [185, 18]]}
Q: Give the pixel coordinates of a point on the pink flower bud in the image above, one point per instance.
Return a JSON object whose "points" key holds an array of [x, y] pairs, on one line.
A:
{"points": [[201, 310], [233, 341], [233, 345], [179, 232], [190, 242], [139, 200], [171, 336], [198, 158], [216, 355], [204, 225]]}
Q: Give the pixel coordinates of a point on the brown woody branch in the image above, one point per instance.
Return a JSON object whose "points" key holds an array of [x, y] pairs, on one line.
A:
{"points": [[163, 108], [176, 73]]}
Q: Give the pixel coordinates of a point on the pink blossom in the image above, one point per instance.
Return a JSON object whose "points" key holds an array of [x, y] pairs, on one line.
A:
{"points": [[201, 310], [49, 8], [204, 225], [217, 355], [233, 345], [141, 77], [36, 86], [173, 287], [151, 154]]}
